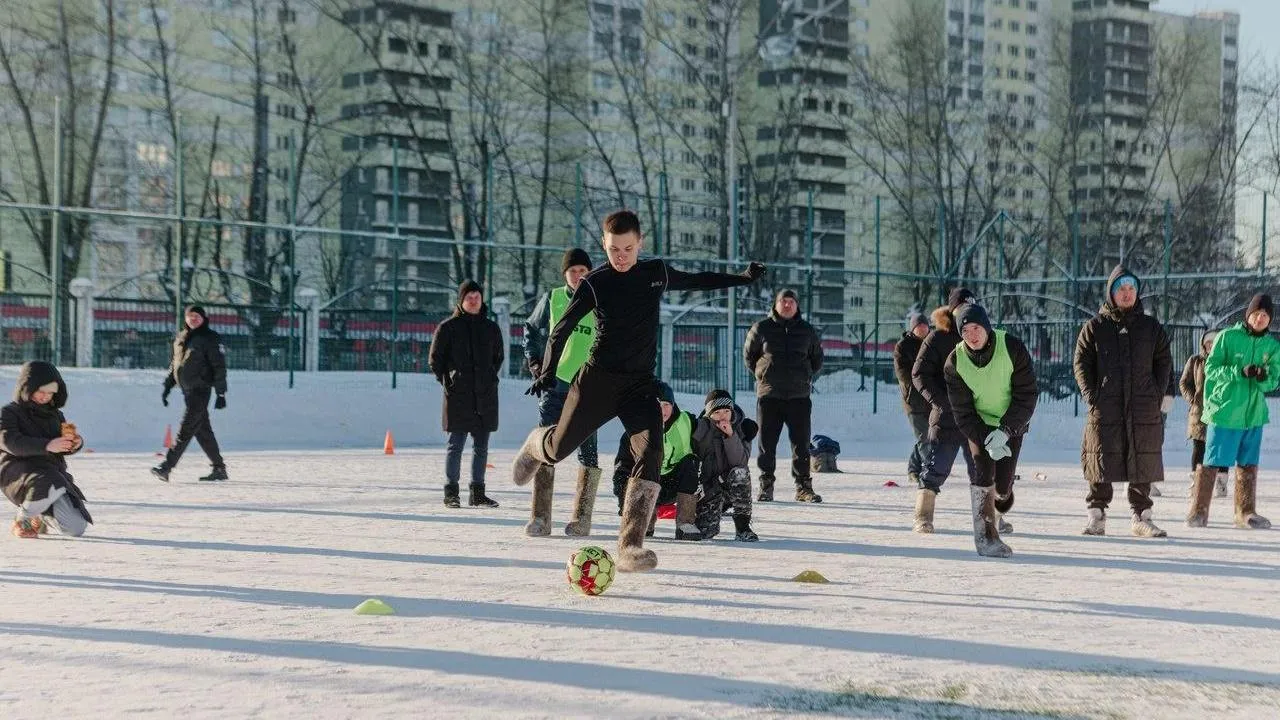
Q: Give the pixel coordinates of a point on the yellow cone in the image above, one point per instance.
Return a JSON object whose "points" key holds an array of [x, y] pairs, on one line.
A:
{"points": [[374, 606], [810, 576]]}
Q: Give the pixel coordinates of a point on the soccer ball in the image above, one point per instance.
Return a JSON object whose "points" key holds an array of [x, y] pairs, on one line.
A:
{"points": [[590, 570]]}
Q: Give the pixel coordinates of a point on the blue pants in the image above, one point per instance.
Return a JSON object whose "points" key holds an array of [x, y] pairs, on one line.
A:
{"points": [[920, 428], [938, 459], [549, 408], [453, 457], [1225, 447]]}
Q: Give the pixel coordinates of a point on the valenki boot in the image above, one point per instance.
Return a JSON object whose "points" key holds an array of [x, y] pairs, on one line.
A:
{"points": [[1097, 522], [925, 500], [986, 534], [1201, 496], [1246, 499], [544, 481], [686, 515], [532, 454], [584, 501], [637, 508]]}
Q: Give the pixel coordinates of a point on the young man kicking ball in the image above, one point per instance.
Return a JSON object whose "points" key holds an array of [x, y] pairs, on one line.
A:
{"points": [[618, 378]]}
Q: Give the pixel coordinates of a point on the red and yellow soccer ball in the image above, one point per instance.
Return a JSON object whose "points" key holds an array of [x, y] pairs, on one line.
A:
{"points": [[591, 570]]}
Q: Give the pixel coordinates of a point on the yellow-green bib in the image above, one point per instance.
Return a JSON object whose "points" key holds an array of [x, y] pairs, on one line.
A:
{"points": [[583, 337], [991, 385], [676, 442]]}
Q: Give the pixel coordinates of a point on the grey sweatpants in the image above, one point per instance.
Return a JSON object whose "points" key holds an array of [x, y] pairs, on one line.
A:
{"points": [[67, 520]]}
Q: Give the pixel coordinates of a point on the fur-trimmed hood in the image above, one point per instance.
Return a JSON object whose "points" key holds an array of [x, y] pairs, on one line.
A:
{"points": [[942, 319]]}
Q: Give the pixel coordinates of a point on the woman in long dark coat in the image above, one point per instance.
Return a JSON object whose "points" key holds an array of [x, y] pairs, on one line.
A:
{"points": [[1192, 388], [466, 357], [1123, 366], [34, 439]]}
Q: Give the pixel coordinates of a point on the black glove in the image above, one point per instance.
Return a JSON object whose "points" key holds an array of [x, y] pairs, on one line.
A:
{"points": [[535, 368], [220, 403], [1261, 373], [755, 271], [164, 396], [542, 383], [1250, 371]]}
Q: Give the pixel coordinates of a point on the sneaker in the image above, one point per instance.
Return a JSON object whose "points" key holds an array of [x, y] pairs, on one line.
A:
{"points": [[805, 493], [161, 471], [1143, 527], [29, 526], [477, 498], [218, 475]]}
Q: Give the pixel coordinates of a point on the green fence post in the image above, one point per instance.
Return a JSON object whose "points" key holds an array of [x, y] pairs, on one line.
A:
{"points": [[663, 240], [293, 246], [808, 258], [488, 225], [395, 260], [577, 206], [1168, 252], [1262, 259], [730, 340], [875, 371], [942, 252], [55, 244], [178, 197], [1000, 271]]}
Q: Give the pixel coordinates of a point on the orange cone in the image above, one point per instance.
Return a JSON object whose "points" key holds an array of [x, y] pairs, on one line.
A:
{"points": [[168, 436], [389, 445]]}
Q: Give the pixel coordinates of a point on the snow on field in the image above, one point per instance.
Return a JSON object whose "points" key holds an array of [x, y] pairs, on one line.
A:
{"points": [[235, 600]]}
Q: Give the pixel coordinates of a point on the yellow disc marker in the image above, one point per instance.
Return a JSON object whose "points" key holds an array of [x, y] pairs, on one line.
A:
{"points": [[374, 606], [810, 576]]}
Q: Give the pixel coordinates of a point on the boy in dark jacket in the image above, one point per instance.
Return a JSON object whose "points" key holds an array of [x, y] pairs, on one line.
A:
{"points": [[1192, 388], [913, 403], [34, 439], [198, 368], [466, 355], [722, 442], [992, 390]]}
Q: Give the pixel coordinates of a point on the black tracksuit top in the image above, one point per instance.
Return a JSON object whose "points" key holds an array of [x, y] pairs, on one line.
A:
{"points": [[627, 306]]}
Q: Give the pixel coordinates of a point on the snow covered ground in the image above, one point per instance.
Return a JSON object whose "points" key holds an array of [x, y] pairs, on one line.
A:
{"points": [[235, 600]]}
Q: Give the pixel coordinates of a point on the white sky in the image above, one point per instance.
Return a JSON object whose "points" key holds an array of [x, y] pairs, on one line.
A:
{"points": [[1258, 21]]}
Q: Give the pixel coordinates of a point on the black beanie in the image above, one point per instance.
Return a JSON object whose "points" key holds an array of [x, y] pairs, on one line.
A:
{"points": [[787, 293], [197, 309], [717, 400], [915, 319], [574, 257], [1261, 301], [665, 393], [958, 297], [468, 286], [972, 313]]}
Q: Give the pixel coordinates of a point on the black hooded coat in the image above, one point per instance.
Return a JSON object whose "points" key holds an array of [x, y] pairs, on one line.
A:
{"points": [[28, 471], [466, 356]]}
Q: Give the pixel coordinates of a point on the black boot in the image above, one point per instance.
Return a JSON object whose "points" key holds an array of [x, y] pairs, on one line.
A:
{"points": [[477, 498], [451, 496], [766, 488], [161, 471], [742, 524], [805, 493], [219, 474]]}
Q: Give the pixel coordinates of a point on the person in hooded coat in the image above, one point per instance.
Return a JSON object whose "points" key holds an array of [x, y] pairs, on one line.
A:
{"points": [[784, 354], [199, 369], [35, 439], [466, 357], [913, 403], [992, 390], [1122, 365], [1191, 385], [944, 439], [1242, 367]]}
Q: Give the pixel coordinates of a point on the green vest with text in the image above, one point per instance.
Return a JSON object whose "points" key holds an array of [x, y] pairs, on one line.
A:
{"points": [[677, 442], [992, 385], [581, 339]]}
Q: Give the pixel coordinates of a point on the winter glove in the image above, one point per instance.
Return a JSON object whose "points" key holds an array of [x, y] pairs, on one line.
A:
{"points": [[164, 396], [535, 368], [220, 403], [1249, 371], [997, 444], [1261, 374], [541, 384], [755, 271], [1166, 404]]}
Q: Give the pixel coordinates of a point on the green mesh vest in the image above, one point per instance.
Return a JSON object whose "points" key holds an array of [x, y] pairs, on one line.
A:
{"points": [[676, 443], [991, 385], [583, 337]]}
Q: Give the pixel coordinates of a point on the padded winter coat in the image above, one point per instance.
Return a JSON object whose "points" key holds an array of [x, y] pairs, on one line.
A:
{"points": [[784, 356], [904, 358], [198, 361], [1232, 400], [718, 454], [29, 472], [928, 379], [1122, 366], [1022, 403], [466, 356], [1191, 385]]}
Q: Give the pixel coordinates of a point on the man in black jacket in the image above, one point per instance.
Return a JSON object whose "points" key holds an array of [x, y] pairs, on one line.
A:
{"points": [[199, 368], [466, 356], [618, 378], [784, 353], [945, 439], [913, 403]]}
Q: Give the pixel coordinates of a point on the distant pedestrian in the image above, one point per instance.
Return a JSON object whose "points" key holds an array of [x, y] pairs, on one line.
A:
{"points": [[198, 369], [913, 403]]}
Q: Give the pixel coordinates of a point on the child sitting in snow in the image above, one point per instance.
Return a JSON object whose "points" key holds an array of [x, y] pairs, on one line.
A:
{"points": [[34, 437], [722, 441]]}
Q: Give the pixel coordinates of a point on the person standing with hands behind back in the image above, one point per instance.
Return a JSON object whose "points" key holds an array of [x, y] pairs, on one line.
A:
{"points": [[198, 368]]}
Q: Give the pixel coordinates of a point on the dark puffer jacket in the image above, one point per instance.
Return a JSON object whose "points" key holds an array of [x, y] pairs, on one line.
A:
{"points": [[784, 356], [1022, 404], [928, 379], [28, 471], [1192, 387], [904, 358], [466, 356], [1122, 365], [198, 361]]}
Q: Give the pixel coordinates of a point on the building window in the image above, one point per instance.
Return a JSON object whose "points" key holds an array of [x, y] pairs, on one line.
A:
{"points": [[444, 52], [153, 153]]}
